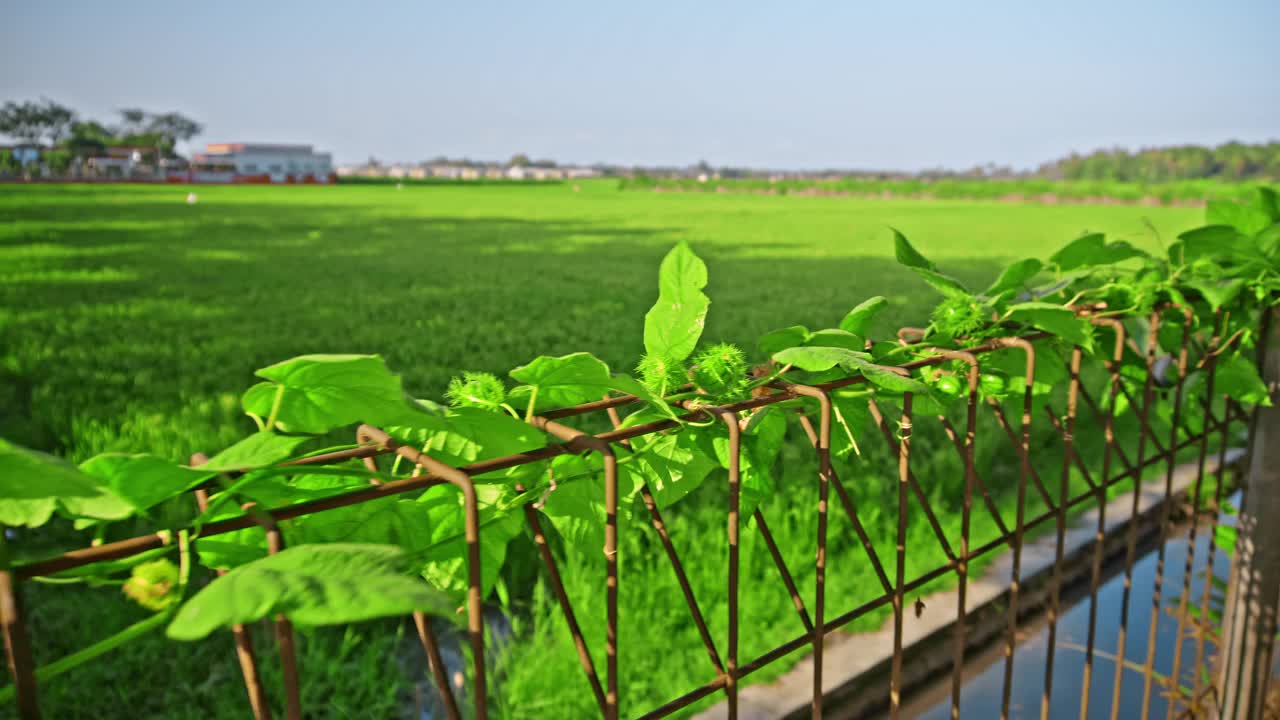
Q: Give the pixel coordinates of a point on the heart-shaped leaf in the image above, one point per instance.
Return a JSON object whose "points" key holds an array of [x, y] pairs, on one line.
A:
{"points": [[1015, 277], [311, 585], [859, 319], [259, 450], [32, 483], [139, 481], [1056, 319], [674, 323], [317, 393]]}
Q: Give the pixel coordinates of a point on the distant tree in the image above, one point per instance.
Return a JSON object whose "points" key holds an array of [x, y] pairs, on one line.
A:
{"points": [[173, 128], [133, 121], [86, 139], [57, 120], [26, 121], [57, 161], [519, 160], [1229, 161]]}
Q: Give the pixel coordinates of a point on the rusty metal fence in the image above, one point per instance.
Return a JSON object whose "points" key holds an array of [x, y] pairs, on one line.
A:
{"points": [[726, 669]]}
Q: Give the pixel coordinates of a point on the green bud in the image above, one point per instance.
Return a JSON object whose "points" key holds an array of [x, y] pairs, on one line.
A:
{"points": [[720, 370], [152, 583], [660, 374], [476, 389]]}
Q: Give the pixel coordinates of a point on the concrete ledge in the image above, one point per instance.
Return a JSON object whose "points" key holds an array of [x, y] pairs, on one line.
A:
{"points": [[856, 668]]}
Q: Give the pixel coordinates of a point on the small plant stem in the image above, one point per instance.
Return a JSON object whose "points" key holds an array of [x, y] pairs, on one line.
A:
{"points": [[533, 398], [275, 407]]}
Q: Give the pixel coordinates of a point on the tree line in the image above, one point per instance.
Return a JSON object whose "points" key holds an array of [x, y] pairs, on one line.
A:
{"points": [[71, 138], [1229, 161]]}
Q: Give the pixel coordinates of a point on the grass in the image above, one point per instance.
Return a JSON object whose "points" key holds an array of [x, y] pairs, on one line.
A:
{"points": [[1180, 192], [131, 321]]}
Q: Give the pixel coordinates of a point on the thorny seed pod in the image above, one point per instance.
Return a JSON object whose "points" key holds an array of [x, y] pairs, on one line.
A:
{"points": [[720, 370], [476, 389], [660, 374], [958, 316]]}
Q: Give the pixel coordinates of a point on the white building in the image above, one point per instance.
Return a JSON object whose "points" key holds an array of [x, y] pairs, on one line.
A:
{"points": [[261, 163]]}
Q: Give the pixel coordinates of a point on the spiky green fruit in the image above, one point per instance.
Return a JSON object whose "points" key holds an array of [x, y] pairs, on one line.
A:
{"points": [[476, 389]]}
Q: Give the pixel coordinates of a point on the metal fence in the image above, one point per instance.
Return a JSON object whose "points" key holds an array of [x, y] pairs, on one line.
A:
{"points": [[726, 669]]}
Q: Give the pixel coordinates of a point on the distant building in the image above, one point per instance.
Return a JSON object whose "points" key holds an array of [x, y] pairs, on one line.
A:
{"points": [[261, 163], [122, 162], [466, 170]]}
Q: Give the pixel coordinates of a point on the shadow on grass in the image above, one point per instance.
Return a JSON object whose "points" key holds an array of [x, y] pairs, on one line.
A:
{"points": [[142, 309]]}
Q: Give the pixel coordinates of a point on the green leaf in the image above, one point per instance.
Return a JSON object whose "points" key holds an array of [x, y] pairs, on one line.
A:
{"points": [[575, 379], [274, 491], [859, 319], [323, 392], [1056, 319], [852, 423], [387, 521], [672, 465], [762, 443], [1250, 219], [630, 386], [310, 585], [1015, 276], [233, 549], [1091, 250], [1218, 293], [575, 505], [1224, 536], [945, 284], [1268, 242], [772, 342], [1268, 202], [139, 481], [1237, 377], [818, 359], [1221, 242], [444, 563], [886, 379], [674, 323], [759, 447], [260, 449], [839, 339], [906, 253], [560, 381], [467, 435], [1079, 252], [1051, 371], [32, 483]]}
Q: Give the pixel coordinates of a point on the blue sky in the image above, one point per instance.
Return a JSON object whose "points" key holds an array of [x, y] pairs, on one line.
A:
{"points": [[798, 84]]}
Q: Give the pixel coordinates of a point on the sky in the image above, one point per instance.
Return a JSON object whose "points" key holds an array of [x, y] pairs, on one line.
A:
{"points": [[806, 85]]}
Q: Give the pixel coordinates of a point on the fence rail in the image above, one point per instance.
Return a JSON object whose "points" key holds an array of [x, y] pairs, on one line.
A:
{"points": [[726, 669]]}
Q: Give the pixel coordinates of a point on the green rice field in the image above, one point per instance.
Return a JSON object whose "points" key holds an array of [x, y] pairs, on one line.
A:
{"points": [[132, 320]]}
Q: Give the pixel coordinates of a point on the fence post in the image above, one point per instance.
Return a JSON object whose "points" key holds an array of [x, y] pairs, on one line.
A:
{"points": [[1250, 620]]}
